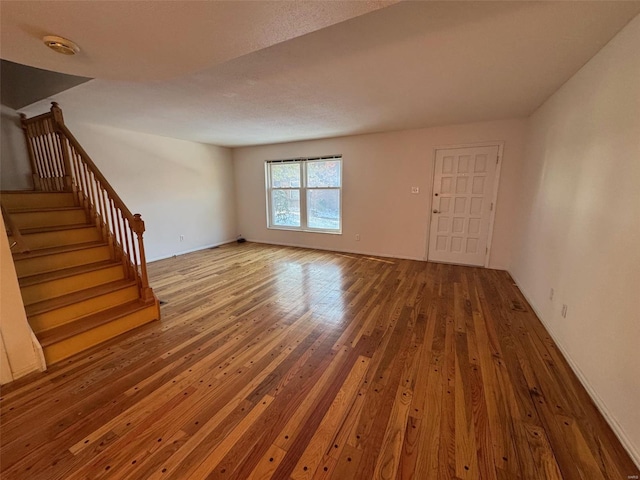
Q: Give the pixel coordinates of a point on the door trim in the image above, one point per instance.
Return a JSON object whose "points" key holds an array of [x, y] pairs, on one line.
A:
{"points": [[494, 199]]}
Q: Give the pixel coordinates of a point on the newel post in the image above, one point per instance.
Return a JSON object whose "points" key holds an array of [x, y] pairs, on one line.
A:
{"points": [[138, 228], [58, 120], [37, 184]]}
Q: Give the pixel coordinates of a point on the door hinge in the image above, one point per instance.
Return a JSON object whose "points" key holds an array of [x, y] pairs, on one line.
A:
{"points": [[486, 250], [498, 159], [491, 209]]}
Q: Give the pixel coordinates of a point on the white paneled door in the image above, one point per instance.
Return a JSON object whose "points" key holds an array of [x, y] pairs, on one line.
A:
{"points": [[462, 206]]}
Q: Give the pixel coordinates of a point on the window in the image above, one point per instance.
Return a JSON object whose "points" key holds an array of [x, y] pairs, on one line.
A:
{"points": [[305, 194]]}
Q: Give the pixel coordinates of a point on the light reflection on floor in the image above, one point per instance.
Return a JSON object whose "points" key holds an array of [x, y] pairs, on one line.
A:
{"points": [[322, 286]]}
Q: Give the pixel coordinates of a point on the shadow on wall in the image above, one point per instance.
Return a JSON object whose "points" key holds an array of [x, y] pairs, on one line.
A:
{"points": [[184, 190], [15, 172]]}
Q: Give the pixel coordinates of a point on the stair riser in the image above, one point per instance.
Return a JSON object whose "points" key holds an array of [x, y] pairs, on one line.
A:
{"points": [[61, 286], [48, 219], [37, 200], [49, 263], [61, 237], [64, 349], [60, 316]]}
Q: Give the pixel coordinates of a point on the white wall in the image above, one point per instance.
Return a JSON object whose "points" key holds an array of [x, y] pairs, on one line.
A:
{"points": [[378, 173], [580, 227], [179, 187], [15, 171], [20, 352]]}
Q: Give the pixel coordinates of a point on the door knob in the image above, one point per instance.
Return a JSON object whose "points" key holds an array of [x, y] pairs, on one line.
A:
{"points": [[436, 211]]}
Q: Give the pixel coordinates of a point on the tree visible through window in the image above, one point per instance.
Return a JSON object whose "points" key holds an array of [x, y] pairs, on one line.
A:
{"points": [[305, 194]]}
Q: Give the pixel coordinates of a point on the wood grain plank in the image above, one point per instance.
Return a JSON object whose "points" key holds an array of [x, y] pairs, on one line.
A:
{"points": [[321, 442], [453, 377]]}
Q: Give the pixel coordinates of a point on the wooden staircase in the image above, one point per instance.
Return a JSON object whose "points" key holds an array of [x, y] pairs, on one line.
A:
{"points": [[82, 276]]}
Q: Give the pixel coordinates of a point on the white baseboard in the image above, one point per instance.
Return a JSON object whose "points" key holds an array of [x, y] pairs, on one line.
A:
{"points": [[597, 400], [355, 252], [37, 364], [196, 249], [41, 363], [27, 369]]}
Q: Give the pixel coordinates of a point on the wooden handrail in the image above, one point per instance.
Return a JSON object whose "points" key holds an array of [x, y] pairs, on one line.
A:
{"points": [[96, 171], [37, 118], [14, 231], [61, 164]]}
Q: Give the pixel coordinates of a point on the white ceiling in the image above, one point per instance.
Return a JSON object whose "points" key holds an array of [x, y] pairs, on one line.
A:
{"points": [[408, 65], [155, 40]]}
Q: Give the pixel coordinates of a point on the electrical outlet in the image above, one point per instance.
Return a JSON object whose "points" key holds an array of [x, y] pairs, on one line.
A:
{"points": [[551, 294], [564, 311], [182, 238], [415, 189], [357, 237]]}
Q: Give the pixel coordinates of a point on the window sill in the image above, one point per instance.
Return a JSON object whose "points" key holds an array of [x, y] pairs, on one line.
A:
{"points": [[306, 230]]}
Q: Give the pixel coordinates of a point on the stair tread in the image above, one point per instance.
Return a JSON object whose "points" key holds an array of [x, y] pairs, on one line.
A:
{"points": [[39, 252], [83, 324], [43, 209], [2, 192], [66, 272], [55, 228], [74, 297]]}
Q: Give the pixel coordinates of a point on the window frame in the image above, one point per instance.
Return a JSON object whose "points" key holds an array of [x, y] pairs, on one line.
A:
{"points": [[304, 189]]}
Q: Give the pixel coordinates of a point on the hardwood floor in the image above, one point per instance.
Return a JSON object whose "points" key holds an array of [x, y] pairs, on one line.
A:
{"points": [[275, 362]]}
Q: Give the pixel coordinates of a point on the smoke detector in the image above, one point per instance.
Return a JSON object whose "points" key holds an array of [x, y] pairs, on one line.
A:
{"points": [[61, 45]]}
